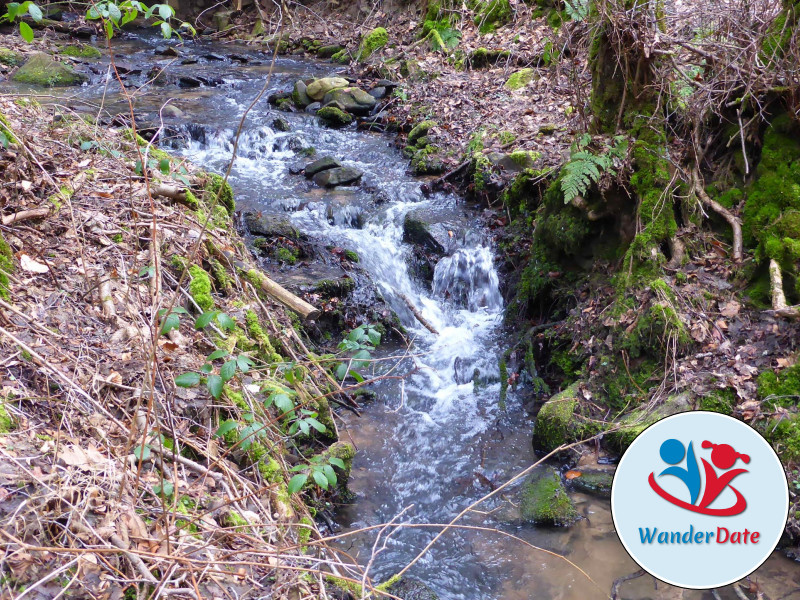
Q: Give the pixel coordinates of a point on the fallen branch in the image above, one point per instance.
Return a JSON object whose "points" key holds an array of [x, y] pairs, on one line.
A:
{"points": [[172, 192], [778, 297], [418, 315], [34, 213], [733, 221], [437, 184], [284, 296]]}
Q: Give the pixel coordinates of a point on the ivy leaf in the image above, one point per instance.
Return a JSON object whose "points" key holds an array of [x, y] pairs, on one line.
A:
{"points": [[166, 488], [217, 354], [187, 380], [26, 32], [360, 358], [320, 478], [142, 452], [214, 384], [226, 427], [228, 370], [336, 462], [297, 482], [166, 30], [204, 319]]}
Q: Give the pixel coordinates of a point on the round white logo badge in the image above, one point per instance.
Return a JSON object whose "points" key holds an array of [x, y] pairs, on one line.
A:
{"points": [[699, 500]]}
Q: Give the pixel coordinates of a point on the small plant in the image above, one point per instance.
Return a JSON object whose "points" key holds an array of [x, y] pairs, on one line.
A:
{"points": [[577, 10], [320, 469], [585, 168], [360, 341]]}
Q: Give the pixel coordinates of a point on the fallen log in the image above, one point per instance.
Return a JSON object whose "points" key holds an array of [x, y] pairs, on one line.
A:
{"points": [[418, 315], [34, 213], [277, 292]]}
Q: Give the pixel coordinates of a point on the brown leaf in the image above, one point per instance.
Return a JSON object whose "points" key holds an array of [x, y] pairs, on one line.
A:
{"points": [[730, 309], [572, 474]]}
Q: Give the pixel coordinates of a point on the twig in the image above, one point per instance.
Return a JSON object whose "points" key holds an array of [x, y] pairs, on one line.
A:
{"points": [[34, 213]]}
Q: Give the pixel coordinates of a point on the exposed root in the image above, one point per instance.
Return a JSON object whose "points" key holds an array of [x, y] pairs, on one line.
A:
{"points": [[778, 297], [733, 220]]}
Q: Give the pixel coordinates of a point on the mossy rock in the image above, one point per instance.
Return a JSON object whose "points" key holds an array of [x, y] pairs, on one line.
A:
{"points": [[558, 421], [520, 79], [335, 288], [334, 117], [373, 41], [329, 51], [419, 130], [6, 423], [84, 51], [416, 232], [410, 589], [270, 226], [595, 482], [10, 58], [41, 69], [622, 435], [351, 99], [781, 389], [317, 89], [545, 500], [200, 288], [427, 161]]}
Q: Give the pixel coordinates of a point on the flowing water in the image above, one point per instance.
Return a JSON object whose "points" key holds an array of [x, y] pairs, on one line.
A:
{"points": [[440, 438]]}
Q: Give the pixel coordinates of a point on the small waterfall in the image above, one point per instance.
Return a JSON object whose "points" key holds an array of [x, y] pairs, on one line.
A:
{"points": [[468, 278]]}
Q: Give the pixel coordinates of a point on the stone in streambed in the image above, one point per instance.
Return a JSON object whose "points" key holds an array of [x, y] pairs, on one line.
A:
{"points": [[333, 116], [321, 164], [328, 51], [337, 176], [416, 232], [317, 89], [270, 226], [593, 482], [545, 500], [300, 94], [351, 99], [40, 69], [281, 124], [411, 589]]}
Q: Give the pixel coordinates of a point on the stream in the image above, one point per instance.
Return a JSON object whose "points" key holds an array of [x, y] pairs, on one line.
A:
{"points": [[434, 442]]}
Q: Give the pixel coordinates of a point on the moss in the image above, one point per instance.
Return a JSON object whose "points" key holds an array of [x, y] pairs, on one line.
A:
{"points": [[342, 57], [418, 131], [781, 389], [503, 379], [335, 288], [200, 288], [593, 482], [329, 51], [6, 266], [784, 435], [556, 423], [10, 58], [41, 69], [83, 51], [5, 129], [286, 255], [556, 18], [520, 79], [6, 423], [334, 117], [216, 184], [506, 137], [179, 263], [260, 337], [720, 401], [545, 501], [221, 277], [234, 520], [374, 40], [524, 158], [491, 14], [304, 533], [351, 256], [627, 429], [426, 161]]}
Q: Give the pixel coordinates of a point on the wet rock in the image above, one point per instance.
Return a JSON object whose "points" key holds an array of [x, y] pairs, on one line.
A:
{"points": [[556, 422], [313, 107], [351, 99], [172, 111], [419, 130], [593, 482], [411, 589], [126, 68], [188, 82], [338, 176], [240, 58], [165, 50], [334, 116], [10, 58], [322, 164], [281, 124], [213, 57], [388, 84], [515, 162], [638, 420], [82, 51], [317, 89], [276, 97], [544, 500], [41, 69], [379, 93], [189, 61], [270, 226], [416, 232], [300, 95]]}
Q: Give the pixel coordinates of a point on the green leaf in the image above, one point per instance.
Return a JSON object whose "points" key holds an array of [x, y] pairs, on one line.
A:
{"points": [[226, 322], [284, 403], [26, 32], [172, 321], [137, 168], [114, 13], [204, 319], [165, 11], [341, 371], [357, 376], [142, 452], [214, 384], [315, 424], [297, 482], [3, 140], [303, 427], [228, 370], [207, 368], [167, 488], [360, 358], [180, 310], [320, 478], [109, 27], [330, 474], [87, 145], [149, 12], [93, 13], [337, 462], [187, 380], [35, 12], [356, 335], [374, 337], [130, 15], [217, 354], [166, 30], [163, 166], [226, 427], [13, 9], [244, 363]]}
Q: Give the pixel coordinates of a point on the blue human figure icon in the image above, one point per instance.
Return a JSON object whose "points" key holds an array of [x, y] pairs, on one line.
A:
{"points": [[672, 453]]}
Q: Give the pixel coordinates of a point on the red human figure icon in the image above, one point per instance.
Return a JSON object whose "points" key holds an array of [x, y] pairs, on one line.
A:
{"points": [[724, 457]]}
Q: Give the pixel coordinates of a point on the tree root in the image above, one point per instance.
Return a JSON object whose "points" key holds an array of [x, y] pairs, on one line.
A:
{"points": [[778, 297], [733, 221]]}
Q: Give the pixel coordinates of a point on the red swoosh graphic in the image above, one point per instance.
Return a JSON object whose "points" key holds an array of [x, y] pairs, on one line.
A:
{"points": [[739, 507]]}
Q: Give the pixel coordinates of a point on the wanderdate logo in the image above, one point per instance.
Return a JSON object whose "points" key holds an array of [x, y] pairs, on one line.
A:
{"points": [[699, 500]]}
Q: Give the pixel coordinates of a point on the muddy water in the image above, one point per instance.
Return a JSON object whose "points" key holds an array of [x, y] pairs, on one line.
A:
{"points": [[434, 442]]}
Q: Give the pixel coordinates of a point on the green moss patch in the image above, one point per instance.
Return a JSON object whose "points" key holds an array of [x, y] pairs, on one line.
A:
{"points": [[545, 501], [41, 69], [491, 14], [87, 52], [781, 389], [6, 266], [216, 184], [520, 79], [373, 41], [200, 288]]}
